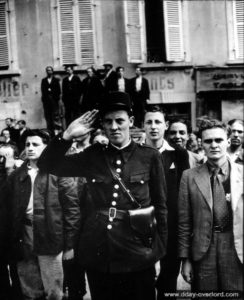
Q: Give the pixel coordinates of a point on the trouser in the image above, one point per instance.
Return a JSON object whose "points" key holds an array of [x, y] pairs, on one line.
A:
{"points": [[71, 112], [220, 268], [9, 282], [74, 279], [51, 112], [39, 275], [130, 286], [169, 271]]}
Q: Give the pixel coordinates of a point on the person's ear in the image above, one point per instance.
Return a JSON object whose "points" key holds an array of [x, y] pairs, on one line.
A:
{"points": [[166, 125], [132, 119]]}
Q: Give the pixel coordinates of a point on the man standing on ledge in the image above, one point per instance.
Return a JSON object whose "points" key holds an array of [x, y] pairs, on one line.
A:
{"points": [[211, 217], [119, 260]]}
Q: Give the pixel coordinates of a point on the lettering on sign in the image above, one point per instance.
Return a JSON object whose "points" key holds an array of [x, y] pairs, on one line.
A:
{"points": [[220, 80], [11, 88], [161, 83]]}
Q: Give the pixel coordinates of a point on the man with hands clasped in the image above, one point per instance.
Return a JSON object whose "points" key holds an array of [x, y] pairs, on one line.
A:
{"points": [[119, 260]]}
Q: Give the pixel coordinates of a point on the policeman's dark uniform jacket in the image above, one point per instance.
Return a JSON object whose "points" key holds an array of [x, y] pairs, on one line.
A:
{"points": [[109, 246]]}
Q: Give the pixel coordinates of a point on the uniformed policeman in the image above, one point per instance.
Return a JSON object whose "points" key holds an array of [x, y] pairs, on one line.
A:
{"points": [[119, 264]]}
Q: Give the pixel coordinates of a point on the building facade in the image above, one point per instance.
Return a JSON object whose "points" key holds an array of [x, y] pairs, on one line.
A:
{"points": [[190, 51]]}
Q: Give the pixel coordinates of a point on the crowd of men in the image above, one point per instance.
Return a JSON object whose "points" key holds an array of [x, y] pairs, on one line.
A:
{"points": [[109, 207], [75, 96]]}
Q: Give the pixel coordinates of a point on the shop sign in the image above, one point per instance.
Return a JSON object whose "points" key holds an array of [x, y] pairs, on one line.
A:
{"points": [[220, 79], [170, 86]]}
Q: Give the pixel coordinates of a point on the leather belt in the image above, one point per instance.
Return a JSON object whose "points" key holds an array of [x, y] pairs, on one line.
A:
{"points": [[113, 213], [218, 228]]}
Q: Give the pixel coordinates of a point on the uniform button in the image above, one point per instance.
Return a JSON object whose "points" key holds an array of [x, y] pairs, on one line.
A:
{"points": [[93, 180], [110, 219], [142, 181], [118, 170], [115, 195], [109, 227], [116, 186], [114, 203], [118, 162]]}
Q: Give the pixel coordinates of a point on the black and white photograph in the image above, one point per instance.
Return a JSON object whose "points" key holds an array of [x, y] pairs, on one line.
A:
{"points": [[121, 149]]}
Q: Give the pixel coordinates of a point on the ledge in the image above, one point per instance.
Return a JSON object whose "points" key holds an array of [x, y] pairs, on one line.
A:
{"points": [[166, 66], [223, 67], [9, 73]]}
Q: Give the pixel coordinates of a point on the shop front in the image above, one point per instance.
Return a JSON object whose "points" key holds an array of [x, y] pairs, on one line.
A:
{"points": [[220, 93], [173, 89]]}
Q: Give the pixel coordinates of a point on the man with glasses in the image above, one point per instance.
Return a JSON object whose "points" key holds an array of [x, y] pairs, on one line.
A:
{"points": [[210, 230]]}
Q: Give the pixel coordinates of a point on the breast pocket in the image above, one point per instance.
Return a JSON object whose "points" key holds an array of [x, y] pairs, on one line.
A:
{"points": [[139, 185]]}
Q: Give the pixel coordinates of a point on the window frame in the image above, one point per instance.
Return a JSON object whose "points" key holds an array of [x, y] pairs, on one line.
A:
{"points": [[11, 38]]}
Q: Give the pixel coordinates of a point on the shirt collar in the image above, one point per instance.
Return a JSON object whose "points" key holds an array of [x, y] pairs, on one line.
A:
{"points": [[165, 146], [224, 168]]}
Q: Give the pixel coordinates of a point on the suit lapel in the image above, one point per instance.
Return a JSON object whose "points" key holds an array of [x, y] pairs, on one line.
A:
{"points": [[236, 182], [202, 180]]}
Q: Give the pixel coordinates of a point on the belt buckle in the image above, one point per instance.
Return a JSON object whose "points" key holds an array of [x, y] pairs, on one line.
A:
{"points": [[112, 213], [218, 228]]}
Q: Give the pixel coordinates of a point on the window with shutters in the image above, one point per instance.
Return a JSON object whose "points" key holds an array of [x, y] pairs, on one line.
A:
{"points": [[8, 55], [160, 21], [235, 22], [238, 22], [76, 34]]}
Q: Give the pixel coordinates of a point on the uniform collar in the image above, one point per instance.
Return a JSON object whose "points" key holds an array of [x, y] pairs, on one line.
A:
{"points": [[124, 152]]}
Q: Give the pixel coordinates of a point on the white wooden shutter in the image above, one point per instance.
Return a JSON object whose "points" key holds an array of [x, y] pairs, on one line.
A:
{"points": [[238, 6], [86, 32], [173, 30], [4, 48], [134, 29], [67, 32]]}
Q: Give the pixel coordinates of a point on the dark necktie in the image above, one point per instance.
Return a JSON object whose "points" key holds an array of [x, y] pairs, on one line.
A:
{"points": [[220, 207]]}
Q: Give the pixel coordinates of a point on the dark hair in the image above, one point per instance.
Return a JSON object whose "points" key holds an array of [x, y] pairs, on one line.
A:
{"points": [[42, 133], [153, 108], [211, 124], [49, 67], [22, 122], [118, 68], [10, 119], [69, 66], [183, 121], [231, 122]]}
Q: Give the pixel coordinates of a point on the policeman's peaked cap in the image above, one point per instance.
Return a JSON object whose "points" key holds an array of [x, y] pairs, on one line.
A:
{"points": [[117, 101]]}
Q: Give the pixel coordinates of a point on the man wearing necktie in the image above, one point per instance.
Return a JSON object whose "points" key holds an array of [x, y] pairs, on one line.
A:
{"points": [[210, 229]]}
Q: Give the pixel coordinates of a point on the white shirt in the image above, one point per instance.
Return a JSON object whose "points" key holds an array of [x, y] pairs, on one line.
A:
{"points": [[32, 173], [121, 84], [138, 83]]}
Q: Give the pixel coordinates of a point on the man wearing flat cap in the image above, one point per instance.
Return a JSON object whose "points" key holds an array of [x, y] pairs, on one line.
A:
{"points": [[110, 78], [124, 178]]}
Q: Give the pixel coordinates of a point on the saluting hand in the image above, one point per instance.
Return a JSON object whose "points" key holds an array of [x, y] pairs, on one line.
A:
{"points": [[80, 126]]}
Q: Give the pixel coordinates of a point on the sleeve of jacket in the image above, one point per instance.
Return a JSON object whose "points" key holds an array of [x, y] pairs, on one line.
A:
{"points": [[184, 217], [158, 193], [68, 197], [54, 161], [57, 90]]}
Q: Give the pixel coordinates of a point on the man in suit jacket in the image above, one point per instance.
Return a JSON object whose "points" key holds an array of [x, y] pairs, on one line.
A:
{"points": [[92, 91], [71, 93], [51, 91], [140, 93], [110, 77], [211, 217], [175, 161]]}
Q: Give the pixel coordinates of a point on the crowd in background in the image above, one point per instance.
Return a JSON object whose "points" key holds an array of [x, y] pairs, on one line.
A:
{"points": [[156, 131]]}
